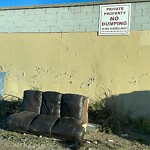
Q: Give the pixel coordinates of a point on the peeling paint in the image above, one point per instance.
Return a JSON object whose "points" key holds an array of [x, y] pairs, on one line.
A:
{"points": [[41, 70], [59, 62], [1, 68], [87, 83], [21, 74], [144, 75], [58, 76], [132, 81]]}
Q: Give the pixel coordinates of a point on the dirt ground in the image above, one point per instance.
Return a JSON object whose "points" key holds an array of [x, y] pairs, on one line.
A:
{"points": [[94, 141]]}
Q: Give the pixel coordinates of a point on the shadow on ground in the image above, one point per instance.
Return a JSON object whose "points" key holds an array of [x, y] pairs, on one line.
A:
{"points": [[126, 115]]}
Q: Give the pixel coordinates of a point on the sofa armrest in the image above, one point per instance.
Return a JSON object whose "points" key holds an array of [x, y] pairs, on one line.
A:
{"points": [[84, 119]]}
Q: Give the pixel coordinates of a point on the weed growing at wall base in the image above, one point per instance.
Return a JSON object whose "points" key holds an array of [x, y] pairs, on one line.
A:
{"points": [[9, 105], [105, 113]]}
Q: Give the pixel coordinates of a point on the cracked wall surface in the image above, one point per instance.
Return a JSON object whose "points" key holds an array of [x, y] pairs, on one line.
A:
{"points": [[75, 62]]}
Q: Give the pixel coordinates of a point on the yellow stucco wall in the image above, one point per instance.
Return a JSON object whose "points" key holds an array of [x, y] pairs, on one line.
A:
{"points": [[75, 62], [82, 63]]}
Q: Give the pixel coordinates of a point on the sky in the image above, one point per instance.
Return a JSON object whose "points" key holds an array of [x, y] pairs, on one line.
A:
{"points": [[7, 3]]}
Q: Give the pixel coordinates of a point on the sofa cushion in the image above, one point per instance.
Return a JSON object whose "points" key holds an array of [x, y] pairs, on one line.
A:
{"points": [[32, 101], [42, 124], [68, 128], [51, 103], [72, 106], [20, 121]]}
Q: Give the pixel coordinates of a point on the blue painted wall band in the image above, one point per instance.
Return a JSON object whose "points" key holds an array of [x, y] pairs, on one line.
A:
{"points": [[13, 3]]}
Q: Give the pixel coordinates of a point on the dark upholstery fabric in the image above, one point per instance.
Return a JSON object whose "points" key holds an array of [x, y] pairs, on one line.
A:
{"points": [[51, 103], [32, 101], [50, 113], [72, 106], [68, 128], [20, 121], [42, 124]]}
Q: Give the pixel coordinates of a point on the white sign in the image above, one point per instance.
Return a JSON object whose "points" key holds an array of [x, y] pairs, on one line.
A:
{"points": [[114, 19]]}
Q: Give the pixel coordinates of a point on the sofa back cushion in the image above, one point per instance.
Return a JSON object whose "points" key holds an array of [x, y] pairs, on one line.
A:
{"points": [[32, 101], [73, 105], [51, 103]]}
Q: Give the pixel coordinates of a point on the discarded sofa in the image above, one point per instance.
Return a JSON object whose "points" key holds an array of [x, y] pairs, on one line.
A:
{"points": [[51, 114]]}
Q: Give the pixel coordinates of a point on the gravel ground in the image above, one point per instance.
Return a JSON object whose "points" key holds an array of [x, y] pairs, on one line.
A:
{"points": [[94, 141]]}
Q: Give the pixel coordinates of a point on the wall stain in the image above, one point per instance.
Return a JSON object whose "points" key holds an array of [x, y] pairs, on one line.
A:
{"points": [[65, 76], [42, 70], [126, 54], [34, 78], [58, 76], [1, 68], [87, 83], [143, 75], [132, 81], [21, 74]]}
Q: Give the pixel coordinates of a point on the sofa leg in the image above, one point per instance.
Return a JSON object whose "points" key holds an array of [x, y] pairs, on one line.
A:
{"points": [[77, 144]]}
